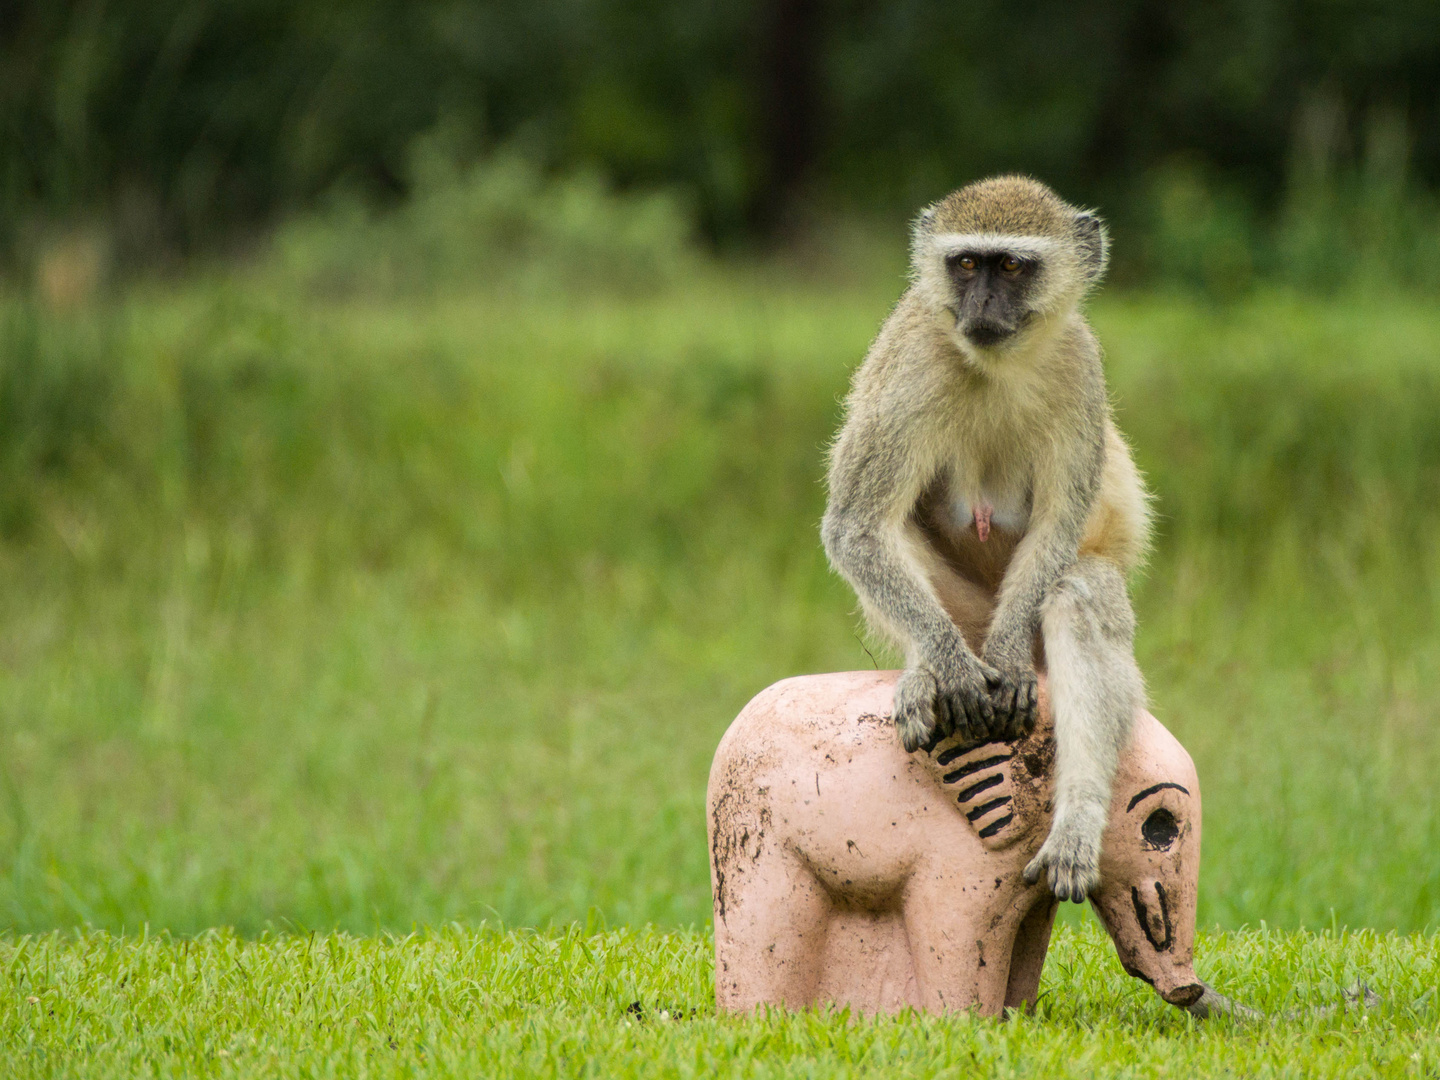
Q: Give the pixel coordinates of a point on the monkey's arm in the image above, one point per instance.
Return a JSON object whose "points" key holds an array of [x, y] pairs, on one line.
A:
{"points": [[879, 468], [1065, 484]]}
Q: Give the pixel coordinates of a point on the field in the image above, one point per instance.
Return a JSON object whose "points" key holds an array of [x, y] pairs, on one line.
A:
{"points": [[417, 614], [637, 1003]]}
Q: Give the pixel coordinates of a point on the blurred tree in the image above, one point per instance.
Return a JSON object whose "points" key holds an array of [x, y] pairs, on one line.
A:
{"points": [[792, 107], [205, 115]]}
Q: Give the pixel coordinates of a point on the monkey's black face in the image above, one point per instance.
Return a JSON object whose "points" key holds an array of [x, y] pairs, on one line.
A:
{"points": [[992, 292]]}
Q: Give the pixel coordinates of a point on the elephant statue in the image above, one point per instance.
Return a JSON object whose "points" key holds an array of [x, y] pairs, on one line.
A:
{"points": [[846, 871]]}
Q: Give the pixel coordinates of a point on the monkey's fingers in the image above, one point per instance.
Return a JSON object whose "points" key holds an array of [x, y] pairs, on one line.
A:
{"points": [[914, 728], [965, 718], [948, 717], [1005, 704], [912, 737], [985, 710], [1027, 705], [914, 708]]}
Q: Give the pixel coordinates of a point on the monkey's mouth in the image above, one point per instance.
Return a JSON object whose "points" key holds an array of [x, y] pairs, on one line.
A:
{"points": [[985, 335]]}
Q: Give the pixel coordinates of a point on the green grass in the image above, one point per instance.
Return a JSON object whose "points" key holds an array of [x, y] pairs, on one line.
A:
{"points": [[475, 1002], [637, 1002], [361, 612]]}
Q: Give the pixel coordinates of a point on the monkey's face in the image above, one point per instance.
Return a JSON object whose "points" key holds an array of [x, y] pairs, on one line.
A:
{"points": [[998, 260], [992, 294]]}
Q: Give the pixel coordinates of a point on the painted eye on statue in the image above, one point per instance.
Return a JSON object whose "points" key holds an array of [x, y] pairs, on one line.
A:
{"points": [[1160, 830]]}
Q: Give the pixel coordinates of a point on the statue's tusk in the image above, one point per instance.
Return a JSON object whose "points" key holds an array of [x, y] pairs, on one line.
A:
{"points": [[1210, 1002]]}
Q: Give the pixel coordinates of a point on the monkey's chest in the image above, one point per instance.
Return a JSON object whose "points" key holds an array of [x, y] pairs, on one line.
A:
{"points": [[975, 529], [988, 510]]}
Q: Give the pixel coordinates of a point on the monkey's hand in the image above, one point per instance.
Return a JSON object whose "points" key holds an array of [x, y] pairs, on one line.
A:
{"points": [[1015, 699], [1069, 860], [937, 698]]}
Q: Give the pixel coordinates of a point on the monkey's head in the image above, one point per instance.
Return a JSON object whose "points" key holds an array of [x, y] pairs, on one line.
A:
{"points": [[1001, 257]]}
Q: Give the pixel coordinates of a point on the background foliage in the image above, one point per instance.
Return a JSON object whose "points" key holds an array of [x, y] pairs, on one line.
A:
{"points": [[402, 558], [1214, 130], [411, 436], [411, 570]]}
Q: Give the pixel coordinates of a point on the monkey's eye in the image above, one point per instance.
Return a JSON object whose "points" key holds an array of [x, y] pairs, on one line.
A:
{"points": [[965, 262], [1010, 265]]}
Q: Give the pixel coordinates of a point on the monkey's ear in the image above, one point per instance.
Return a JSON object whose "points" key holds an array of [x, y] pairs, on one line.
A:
{"points": [[920, 232], [1094, 241]]}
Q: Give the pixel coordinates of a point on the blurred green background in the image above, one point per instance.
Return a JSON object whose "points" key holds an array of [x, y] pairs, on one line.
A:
{"points": [[412, 423], [1228, 140]]}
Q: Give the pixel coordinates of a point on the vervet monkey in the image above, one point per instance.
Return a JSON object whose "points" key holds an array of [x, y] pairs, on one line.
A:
{"points": [[985, 508]]}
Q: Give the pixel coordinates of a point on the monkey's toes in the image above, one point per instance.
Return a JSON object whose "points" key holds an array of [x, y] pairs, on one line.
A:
{"points": [[1069, 861], [1073, 881]]}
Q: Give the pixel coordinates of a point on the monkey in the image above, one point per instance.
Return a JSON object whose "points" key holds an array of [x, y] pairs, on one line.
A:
{"points": [[985, 508]]}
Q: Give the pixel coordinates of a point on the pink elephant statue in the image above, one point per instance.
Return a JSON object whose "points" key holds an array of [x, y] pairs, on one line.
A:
{"points": [[846, 871]]}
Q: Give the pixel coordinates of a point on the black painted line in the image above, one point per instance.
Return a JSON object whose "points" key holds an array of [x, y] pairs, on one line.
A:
{"points": [[1151, 791], [975, 789], [981, 811], [976, 766], [1142, 914], [1165, 912], [959, 751], [995, 826]]}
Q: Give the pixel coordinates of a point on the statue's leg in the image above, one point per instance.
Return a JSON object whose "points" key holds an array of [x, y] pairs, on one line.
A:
{"points": [[770, 935], [958, 963], [1027, 958]]}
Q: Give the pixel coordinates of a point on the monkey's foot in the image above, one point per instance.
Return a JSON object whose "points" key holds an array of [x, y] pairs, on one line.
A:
{"points": [[980, 781], [1069, 860]]}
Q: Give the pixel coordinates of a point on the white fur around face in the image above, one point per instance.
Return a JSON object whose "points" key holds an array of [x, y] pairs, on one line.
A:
{"points": [[989, 243]]}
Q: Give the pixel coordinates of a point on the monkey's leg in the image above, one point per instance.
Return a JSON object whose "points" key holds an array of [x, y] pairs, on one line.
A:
{"points": [[1095, 691]]}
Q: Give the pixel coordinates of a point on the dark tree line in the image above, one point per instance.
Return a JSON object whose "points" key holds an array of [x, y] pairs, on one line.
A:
{"points": [[208, 115]]}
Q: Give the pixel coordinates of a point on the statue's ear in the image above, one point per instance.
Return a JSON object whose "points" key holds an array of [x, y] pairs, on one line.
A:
{"points": [[1094, 241]]}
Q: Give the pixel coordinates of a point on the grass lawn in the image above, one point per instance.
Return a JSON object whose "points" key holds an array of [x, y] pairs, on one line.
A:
{"points": [[637, 1002], [357, 614]]}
